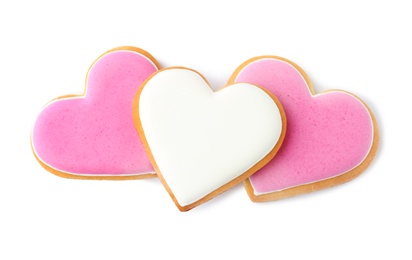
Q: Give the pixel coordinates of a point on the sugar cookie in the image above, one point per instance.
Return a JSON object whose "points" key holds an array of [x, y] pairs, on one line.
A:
{"points": [[201, 142], [92, 136], [332, 137]]}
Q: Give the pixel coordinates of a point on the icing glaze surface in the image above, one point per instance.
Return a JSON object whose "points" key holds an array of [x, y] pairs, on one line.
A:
{"points": [[328, 134], [200, 139], [94, 134]]}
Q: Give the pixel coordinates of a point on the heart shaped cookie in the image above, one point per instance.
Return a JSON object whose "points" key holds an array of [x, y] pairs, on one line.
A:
{"points": [[92, 136], [202, 142], [332, 137]]}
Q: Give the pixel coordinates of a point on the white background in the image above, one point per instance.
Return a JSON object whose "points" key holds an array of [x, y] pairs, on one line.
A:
{"points": [[46, 49]]}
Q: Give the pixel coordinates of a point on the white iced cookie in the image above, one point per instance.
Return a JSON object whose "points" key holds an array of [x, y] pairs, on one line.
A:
{"points": [[200, 142]]}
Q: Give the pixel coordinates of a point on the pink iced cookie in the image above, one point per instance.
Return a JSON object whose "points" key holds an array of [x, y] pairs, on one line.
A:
{"points": [[92, 136], [332, 137]]}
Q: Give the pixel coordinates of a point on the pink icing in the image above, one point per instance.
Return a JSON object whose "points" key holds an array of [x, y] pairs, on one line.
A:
{"points": [[327, 134], [95, 134]]}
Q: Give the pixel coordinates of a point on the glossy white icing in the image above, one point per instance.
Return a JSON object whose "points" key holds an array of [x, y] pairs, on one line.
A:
{"points": [[202, 139]]}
